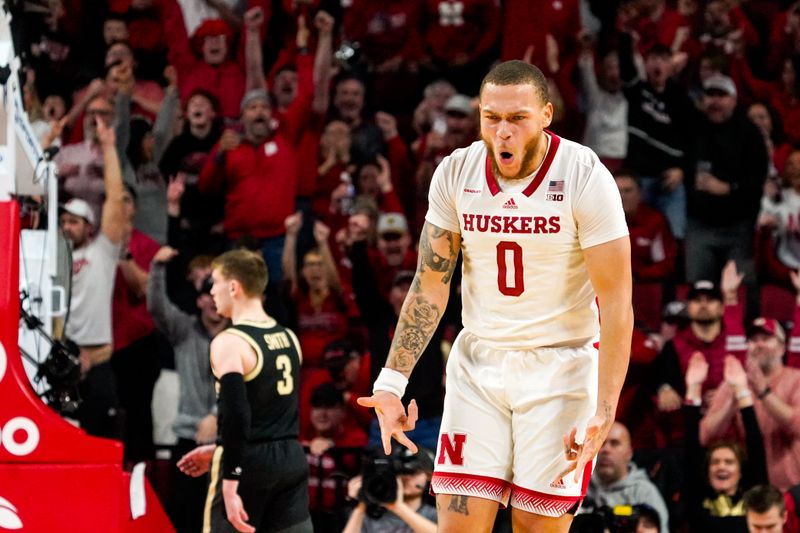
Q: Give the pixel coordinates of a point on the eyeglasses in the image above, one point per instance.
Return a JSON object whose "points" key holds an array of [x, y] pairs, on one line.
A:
{"points": [[98, 112]]}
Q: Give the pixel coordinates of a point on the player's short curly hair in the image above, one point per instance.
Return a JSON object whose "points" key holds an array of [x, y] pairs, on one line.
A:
{"points": [[518, 73], [246, 267]]}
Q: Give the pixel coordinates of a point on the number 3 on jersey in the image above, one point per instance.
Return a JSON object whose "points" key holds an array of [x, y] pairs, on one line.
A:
{"points": [[517, 286], [285, 385]]}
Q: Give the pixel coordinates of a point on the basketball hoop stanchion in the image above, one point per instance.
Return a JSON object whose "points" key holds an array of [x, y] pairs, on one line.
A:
{"points": [[53, 476]]}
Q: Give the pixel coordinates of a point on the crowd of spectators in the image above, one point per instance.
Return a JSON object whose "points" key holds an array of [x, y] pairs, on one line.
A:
{"points": [[310, 129]]}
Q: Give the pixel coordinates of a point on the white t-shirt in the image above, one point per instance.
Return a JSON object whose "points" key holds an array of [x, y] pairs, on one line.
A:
{"points": [[525, 284], [94, 267]]}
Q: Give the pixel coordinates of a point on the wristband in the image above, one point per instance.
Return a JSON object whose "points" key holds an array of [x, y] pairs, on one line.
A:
{"points": [[693, 402], [742, 394], [391, 381], [763, 394]]}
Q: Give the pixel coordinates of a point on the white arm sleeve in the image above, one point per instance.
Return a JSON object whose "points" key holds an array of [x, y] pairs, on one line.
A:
{"points": [[598, 208], [441, 198]]}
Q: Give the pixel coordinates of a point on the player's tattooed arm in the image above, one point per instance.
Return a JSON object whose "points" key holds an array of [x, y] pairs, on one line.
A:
{"points": [[427, 297], [438, 251]]}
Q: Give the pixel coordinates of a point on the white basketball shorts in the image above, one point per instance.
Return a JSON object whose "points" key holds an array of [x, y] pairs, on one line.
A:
{"points": [[506, 413]]}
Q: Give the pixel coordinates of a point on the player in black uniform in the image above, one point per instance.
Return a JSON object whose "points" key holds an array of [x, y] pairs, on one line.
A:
{"points": [[259, 472]]}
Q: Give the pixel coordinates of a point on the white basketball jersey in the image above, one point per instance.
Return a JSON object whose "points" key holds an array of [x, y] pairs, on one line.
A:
{"points": [[525, 283]]}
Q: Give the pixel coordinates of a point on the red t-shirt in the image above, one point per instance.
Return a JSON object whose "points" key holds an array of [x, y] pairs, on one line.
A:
{"points": [[317, 329], [130, 319]]}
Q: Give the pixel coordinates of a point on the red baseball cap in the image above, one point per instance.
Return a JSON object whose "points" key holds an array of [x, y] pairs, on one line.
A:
{"points": [[769, 326]]}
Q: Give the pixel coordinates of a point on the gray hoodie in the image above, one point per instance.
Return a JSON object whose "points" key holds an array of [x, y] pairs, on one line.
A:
{"points": [[634, 489], [190, 342]]}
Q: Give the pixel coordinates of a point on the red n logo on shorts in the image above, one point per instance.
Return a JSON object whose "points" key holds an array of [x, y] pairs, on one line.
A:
{"points": [[452, 448]]}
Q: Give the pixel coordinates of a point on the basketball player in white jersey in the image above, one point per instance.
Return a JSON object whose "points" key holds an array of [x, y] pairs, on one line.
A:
{"points": [[530, 399]]}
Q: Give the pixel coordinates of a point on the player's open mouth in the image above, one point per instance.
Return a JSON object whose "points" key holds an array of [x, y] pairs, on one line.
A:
{"points": [[506, 158]]}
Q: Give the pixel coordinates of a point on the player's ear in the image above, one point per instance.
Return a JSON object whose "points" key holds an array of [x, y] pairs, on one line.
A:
{"points": [[547, 114]]}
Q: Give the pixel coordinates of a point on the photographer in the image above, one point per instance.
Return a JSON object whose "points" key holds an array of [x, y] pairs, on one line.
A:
{"points": [[619, 519], [407, 512]]}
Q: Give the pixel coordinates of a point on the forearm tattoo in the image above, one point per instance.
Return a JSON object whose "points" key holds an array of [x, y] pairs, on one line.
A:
{"points": [[420, 316]]}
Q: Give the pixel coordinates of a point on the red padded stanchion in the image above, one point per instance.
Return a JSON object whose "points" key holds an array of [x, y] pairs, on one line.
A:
{"points": [[53, 476]]}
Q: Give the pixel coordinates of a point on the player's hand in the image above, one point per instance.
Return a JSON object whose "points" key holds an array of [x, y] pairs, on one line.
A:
{"points": [[206, 429], [578, 455], [234, 508], [197, 462], [392, 418]]}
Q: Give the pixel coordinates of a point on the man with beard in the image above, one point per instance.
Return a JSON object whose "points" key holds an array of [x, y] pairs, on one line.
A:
{"points": [[715, 330], [618, 481], [349, 95], [724, 192], [196, 421], [776, 392], [530, 396], [80, 165], [94, 265], [256, 172]]}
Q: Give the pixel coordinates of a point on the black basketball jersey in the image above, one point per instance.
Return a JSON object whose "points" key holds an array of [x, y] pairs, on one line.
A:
{"points": [[273, 384]]}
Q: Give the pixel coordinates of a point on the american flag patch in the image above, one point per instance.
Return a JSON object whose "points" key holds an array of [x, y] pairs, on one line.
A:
{"points": [[555, 186]]}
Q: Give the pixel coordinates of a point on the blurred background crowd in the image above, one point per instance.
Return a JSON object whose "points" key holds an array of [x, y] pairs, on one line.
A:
{"points": [[310, 129]]}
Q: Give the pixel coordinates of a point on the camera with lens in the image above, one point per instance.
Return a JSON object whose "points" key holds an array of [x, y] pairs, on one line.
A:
{"points": [[617, 519], [379, 475]]}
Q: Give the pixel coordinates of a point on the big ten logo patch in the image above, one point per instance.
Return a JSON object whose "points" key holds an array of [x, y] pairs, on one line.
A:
{"points": [[19, 436], [451, 448]]}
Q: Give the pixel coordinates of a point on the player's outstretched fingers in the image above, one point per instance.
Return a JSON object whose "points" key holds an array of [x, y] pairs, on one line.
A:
{"points": [[366, 401], [563, 473], [588, 449], [405, 441], [413, 416], [239, 521], [386, 433]]}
